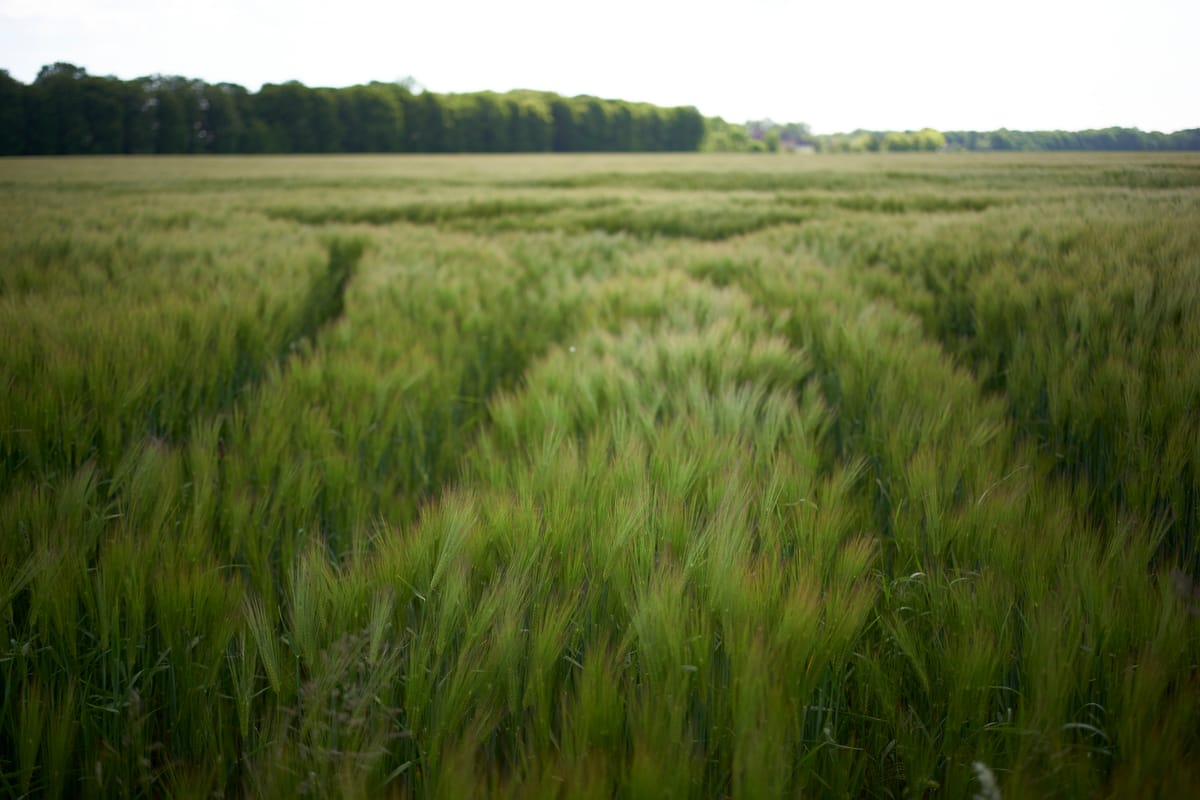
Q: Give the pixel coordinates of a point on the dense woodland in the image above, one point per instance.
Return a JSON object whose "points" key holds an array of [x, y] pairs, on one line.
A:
{"points": [[66, 111]]}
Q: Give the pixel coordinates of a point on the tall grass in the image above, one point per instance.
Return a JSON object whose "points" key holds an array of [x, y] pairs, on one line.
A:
{"points": [[599, 477], [1084, 319]]}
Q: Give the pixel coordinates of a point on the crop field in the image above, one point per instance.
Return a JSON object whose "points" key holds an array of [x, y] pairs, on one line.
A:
{"points": [[629, 476]]}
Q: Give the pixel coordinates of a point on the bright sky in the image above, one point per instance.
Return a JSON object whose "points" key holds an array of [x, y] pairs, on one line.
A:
{"points": [[947, 64]]}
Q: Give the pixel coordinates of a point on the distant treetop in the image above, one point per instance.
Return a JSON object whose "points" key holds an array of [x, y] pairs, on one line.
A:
{"points": [[67, 111]]}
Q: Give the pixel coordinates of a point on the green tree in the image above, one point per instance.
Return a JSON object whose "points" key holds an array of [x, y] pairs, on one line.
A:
{"points": [[929, 140], [685, 128], [371, 118], [425, 126], [647, 129], [532, 123], [137, 110], [103, 108], [724, 137], [287, 110], [593, 134], [58, 125], [488, 120], [620, 127], [895, 142], [1001, 140], [225, 106], [1185, 139], [170, 123], [175, 113], [563, 116], [12, 115], [326, 125], [382, 119]]}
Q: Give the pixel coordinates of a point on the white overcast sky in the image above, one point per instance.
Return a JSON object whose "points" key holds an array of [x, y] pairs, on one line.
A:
{"points": [[947, 64]]}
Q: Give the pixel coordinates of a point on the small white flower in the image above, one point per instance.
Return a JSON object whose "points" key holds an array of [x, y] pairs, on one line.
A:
{"points": [[989, 789]]}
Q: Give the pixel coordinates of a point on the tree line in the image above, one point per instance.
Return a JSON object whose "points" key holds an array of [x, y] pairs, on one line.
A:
{"points": [[66, 111], [1101, 139], [1006, 140], [925, 140], [765, 136]]}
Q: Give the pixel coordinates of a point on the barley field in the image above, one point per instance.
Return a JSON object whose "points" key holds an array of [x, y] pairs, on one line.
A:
{"points": [[600, 476]]}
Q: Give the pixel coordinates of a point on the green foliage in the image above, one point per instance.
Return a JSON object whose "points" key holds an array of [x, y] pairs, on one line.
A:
{"points": [[929, 140], [67, 112], [755, 137], [610, 476], [1129, 139]]}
